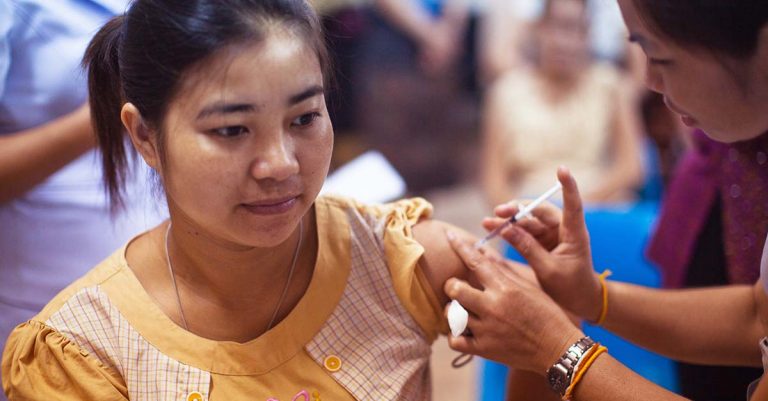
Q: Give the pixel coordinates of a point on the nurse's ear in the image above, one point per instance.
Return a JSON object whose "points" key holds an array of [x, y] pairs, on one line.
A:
{"points": [[143, 138]]}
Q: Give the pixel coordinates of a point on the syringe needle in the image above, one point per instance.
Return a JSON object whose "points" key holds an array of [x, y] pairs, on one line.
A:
{"points": [[522, 213]]}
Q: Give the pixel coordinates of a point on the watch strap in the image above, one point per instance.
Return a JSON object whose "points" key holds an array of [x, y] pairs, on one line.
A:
{"points": [[560, 375]]}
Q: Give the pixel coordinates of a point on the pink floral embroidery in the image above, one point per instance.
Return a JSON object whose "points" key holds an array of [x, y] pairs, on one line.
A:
{"points": [[302, 395]]}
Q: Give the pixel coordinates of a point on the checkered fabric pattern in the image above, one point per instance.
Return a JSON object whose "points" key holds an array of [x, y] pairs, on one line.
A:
{"points": [[385, 354], [89, 320]]}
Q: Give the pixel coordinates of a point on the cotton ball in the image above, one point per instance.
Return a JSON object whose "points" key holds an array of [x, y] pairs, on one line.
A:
{"points": [[457, 318]]}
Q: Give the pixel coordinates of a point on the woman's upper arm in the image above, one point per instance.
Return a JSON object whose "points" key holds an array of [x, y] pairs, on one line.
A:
{"points": [[439, 262]]}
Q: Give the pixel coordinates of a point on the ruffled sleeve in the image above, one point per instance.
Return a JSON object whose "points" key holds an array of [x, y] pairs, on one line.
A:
{"points": [[402, 253], [40, 363]]}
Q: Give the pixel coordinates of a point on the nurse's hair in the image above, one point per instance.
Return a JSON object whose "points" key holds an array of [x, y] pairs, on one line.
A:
{"points": [[725, 27], [141, 57]]}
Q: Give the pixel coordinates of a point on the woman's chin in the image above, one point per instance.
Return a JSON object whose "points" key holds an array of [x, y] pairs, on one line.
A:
{"points": [[731, 136]]}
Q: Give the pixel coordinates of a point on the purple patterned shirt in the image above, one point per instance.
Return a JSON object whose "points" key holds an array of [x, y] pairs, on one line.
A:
{"points": [[736, 172]]}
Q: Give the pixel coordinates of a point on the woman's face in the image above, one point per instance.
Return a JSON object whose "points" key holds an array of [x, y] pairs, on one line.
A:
{"points": [[562, 37], [248, 142], [726, 98]]}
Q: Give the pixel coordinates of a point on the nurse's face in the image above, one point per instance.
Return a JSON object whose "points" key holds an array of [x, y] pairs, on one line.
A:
{"points": [[725, 97], [248, 142]]}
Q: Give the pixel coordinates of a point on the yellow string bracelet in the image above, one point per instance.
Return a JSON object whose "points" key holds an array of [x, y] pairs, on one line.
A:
{"points": [[604, 293], [582, 368]]}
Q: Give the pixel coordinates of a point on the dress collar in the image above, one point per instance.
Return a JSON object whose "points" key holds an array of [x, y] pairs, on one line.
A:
{"points": [[271, 349]]}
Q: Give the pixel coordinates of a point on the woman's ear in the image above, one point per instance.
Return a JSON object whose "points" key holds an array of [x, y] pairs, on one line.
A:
{"points": [[141, 135]]}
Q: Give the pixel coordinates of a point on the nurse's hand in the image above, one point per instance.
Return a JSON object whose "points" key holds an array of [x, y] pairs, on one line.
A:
{"points": [[556, 245], [511, 319]]}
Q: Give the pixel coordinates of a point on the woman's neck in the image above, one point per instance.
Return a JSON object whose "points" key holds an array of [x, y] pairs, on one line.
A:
{"points": [[234, 276], [223, 292]]}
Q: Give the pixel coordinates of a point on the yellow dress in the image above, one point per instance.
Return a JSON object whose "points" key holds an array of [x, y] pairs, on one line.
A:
{"points": [[361, 331]]}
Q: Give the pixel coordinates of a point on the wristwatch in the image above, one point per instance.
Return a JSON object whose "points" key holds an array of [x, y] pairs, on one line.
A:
{"points": [[560, 374]]}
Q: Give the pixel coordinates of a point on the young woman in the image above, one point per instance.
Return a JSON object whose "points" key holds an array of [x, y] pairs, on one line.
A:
{"points": [[710, 61], [255, 288]]}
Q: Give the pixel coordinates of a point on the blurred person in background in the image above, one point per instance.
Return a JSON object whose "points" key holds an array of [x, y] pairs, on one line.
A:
{"points": [[501, 37], [53, 211], [436, 28], [416, 75], [508, 29], [565, 108], [345, 24]]}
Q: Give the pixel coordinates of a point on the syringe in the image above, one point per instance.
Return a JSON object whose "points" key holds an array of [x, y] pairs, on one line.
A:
{"points": [[457, 315], [524, 212]]}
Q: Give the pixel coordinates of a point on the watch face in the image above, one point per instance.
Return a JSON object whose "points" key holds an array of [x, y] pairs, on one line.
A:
{"points": [[556, 379]]}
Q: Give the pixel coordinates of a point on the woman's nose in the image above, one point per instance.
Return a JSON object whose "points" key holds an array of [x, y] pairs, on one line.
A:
{"points": [[275, 160], [653, 79]]}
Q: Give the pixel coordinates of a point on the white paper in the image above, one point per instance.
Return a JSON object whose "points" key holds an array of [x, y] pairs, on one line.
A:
{"points": [[368, 178]]}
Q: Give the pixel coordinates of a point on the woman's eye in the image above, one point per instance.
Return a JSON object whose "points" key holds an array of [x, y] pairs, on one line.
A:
{"points": [[305, 119], [231, 131]]}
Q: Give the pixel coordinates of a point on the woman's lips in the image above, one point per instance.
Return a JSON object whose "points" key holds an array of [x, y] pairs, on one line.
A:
{"points": [[269, 207], [688, 120], [685, 118]]}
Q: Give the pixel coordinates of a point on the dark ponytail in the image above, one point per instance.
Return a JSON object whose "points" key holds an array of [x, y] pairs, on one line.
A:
{"points": [[141, 56], [727, 27], [106, 94]]}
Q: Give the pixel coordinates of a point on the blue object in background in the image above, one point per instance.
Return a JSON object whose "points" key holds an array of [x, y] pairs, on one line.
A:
{"points": [[653, 187], [618, 237], [435, 7]]}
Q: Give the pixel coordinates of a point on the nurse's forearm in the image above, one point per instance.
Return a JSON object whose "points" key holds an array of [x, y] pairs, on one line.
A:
{"points": [[605, 380], [709, 326], [528, 386], [28, 157], [609, 380]]}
